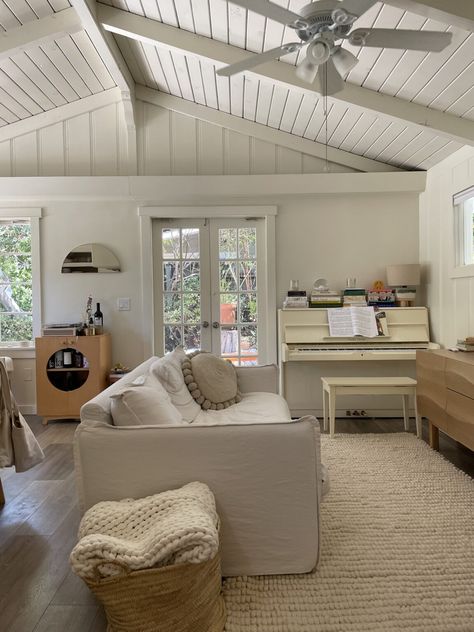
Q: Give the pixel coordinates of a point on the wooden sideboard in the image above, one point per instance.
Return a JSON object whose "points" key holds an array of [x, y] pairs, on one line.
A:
{"points": [[445, 394]]}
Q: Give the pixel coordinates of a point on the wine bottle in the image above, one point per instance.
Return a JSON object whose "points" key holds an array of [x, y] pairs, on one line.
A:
{"points": [[98, 320]]}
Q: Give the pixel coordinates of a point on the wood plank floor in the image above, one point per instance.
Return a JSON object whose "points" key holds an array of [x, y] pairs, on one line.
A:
{"points": [[38, 527]]}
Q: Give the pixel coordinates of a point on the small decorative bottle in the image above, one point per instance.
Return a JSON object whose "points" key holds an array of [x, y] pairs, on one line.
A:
{"points": [[98, 320]]}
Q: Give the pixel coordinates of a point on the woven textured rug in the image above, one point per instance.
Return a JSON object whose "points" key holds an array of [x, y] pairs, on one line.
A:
{"points": [[397, 548]]}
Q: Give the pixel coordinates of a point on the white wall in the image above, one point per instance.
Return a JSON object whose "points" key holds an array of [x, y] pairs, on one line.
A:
{"points": [[450, 299]]}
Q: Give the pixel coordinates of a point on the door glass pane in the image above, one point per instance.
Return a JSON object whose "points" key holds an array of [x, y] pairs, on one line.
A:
{"points": [[230, 344], [247, 243], [248, 275], [227, 243], [170, 243], [228, 308], [248, 345], [181, 288], [192, 338], [228, 276], [248, 308], [171, 276], [190, 243], [172, 308]]}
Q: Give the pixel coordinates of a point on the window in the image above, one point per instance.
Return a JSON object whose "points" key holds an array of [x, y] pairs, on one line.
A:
{"points": [[19, 276], [464, 227]]}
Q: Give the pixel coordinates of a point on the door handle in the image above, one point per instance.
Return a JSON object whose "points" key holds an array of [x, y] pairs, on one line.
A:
{"points": [[205, 324], [216, 325]]}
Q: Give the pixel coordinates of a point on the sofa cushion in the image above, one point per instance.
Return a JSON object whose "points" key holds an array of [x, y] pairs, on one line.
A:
{"points": [[255, 408], [143, 406], [211, 381], [169, 373]]}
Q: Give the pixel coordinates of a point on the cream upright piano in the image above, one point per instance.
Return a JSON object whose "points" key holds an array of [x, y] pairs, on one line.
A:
{"points": [[307, 352]]}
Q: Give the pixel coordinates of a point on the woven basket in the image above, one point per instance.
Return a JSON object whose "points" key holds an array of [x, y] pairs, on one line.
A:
{"points": [[180, 598]]}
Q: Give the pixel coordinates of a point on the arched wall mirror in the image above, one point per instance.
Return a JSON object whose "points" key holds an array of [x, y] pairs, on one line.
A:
{"points": [[90, 258]]}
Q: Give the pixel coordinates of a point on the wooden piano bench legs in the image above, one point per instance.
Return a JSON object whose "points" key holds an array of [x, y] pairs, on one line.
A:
{"points": [[332, 386]]}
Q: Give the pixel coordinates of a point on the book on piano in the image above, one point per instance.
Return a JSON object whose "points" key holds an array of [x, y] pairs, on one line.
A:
{"points": [[352, 321]]}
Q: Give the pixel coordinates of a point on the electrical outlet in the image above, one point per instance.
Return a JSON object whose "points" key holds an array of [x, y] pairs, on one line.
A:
{"points": [[123, 304], [348, 413], [27, 375]]}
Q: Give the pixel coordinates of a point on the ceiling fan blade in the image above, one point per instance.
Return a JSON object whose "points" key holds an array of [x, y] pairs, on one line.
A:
{"points": [[307, 71], [273, 11], [356, 7], [344, 61], [397, 38], [256, 60], [330, 81]]}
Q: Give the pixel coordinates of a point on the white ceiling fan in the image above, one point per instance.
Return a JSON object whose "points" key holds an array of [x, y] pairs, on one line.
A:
{"points": [[322, 26]]}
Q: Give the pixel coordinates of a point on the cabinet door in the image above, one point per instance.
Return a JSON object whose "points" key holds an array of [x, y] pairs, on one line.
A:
{"points": [[460, 376], [431, 387], [460, 411]]}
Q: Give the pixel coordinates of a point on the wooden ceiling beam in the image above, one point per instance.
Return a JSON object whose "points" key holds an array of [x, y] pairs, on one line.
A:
{"points": [[459, 13], [38, 32], [262, 132], [391, 108], [117, 67]]}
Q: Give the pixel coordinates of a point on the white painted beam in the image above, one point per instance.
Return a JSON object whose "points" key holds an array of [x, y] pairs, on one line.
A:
{"points": [[61, 113], [391, 108], [458, 13], [257, 130], [196, 190], [115, 63], [38, 32]]}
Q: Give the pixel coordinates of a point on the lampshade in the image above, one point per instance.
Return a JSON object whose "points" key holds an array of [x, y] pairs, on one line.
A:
{"points": [[403, 274]]}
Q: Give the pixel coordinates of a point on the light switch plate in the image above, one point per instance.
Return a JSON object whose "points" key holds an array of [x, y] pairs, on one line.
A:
{"points": [[123, 304]]}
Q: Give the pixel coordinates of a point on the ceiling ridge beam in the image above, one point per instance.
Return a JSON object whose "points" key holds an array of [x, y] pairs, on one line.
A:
{"points": [[391, 108], [114, 62], [60, 113], [38, 32], [262, 132], [459, 13]]}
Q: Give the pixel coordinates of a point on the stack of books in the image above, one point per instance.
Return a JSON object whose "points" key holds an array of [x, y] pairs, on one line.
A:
{"points": [[355, 297], [324, 297], [295, 299], [466, 345], [384, 297]]}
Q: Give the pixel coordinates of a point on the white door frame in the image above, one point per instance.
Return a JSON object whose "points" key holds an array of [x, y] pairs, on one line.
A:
{"points": [[146, 216]]}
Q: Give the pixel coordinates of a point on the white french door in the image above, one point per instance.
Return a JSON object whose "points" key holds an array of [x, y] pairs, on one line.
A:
{"points": [[210, 287]]}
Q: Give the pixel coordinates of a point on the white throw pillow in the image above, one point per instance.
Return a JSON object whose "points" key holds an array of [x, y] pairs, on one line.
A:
{"points": [[143, 406], [168, 371]]}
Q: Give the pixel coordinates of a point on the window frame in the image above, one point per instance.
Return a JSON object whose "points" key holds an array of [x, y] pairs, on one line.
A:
{"points": [[463, 239], [34, 215]]}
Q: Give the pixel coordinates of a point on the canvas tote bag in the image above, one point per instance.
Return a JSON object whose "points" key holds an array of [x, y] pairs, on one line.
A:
{"points": [[18, 443]]}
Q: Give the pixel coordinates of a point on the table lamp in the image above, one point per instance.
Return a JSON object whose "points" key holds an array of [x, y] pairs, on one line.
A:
{"points": [[403, 278]]}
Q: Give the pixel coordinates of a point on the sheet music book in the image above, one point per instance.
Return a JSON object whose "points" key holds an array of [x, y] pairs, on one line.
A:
{"points": [[345, 322]]}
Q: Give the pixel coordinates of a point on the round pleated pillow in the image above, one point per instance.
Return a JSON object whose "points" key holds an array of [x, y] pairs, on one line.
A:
{"points": [[211, 381]]}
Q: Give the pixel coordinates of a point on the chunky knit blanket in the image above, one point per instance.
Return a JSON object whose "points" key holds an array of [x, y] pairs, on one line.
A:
{"points": [[173, 527]]}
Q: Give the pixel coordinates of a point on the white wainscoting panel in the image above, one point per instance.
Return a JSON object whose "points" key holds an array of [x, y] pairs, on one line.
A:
{"points": [[170, 143]]}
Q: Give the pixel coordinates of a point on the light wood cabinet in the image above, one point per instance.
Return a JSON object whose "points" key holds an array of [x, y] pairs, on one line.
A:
{"points": [[62, 390], [445, 394]]}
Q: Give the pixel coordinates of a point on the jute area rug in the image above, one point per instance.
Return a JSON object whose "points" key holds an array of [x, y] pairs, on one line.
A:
{"points": [[397, 548]]}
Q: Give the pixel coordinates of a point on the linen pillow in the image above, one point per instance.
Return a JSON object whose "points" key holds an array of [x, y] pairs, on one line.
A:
{"points": [[168, 371], [143, 406], [211, 381]]}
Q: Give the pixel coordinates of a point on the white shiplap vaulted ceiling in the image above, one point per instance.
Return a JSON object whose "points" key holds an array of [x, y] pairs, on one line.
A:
{"points": [[404, 109]]}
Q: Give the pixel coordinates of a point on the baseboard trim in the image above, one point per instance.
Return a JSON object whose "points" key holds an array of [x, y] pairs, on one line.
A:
{"points": [[27, 409]]}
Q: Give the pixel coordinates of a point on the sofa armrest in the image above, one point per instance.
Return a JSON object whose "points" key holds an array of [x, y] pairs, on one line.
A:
{"points": [[264, 478], [258, 378]]}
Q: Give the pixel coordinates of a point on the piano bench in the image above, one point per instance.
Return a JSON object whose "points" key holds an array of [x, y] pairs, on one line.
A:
{"points": [[332, 386]]}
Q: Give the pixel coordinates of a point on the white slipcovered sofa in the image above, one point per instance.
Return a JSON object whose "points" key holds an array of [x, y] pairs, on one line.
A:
{"points": [[265, 472]]}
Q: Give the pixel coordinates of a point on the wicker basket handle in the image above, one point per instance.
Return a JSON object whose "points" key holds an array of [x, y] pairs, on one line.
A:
{"points": [[96, 569]]}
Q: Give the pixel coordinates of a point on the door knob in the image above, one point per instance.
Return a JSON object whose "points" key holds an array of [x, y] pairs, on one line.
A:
{"points": [[205, 324], [216, 325]]}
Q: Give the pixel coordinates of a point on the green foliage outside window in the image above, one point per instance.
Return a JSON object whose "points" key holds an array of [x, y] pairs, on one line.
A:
{"points": [[16, 289]]}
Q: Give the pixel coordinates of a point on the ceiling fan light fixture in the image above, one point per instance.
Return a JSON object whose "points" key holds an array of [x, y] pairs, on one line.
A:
{"points": [[344, 61], [318, 52], [307, 71]]}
